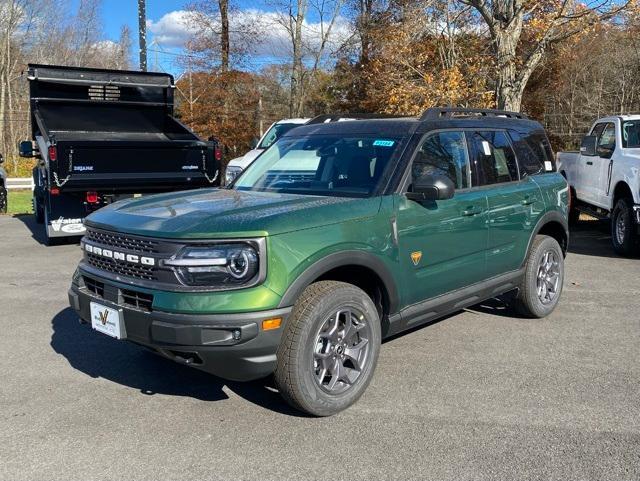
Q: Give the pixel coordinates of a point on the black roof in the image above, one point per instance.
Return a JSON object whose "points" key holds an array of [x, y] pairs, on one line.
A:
{"points": [[403, 126]]}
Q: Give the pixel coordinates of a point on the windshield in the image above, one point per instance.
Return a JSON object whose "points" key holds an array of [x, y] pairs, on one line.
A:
{"points": [[631, 134], [321, 165], [274, 133]]}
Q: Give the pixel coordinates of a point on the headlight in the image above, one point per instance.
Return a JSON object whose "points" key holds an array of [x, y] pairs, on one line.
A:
{"points": [[223, 265], [231, 173]]}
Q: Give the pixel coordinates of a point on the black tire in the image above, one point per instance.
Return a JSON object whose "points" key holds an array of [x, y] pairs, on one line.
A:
{"points": [[574, 214], [297, 374], [3, 200], [528, 301], [624, 241], [38, 209]]}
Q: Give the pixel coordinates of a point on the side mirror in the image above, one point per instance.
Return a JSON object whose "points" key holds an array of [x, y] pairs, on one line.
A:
{"points": [[254, 143], [589, 145], [432, 187], [1, 159], [26, 149]]}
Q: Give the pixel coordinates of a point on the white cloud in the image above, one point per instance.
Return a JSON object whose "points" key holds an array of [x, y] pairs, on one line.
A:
{"points": [[172, 29], [271, 38]]}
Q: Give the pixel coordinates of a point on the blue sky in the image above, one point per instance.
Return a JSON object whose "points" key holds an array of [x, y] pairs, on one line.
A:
{"points": [[169, 32], [120, 12]]}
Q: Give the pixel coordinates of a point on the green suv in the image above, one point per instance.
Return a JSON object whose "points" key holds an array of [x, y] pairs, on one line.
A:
{"points": [[343, 233]]}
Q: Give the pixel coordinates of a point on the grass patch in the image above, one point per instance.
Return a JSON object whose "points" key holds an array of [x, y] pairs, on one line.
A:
{"points": [[20, 202]]}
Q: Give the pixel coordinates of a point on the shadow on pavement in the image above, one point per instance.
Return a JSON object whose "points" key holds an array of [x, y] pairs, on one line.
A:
{"points": [[134, 366], [37, 231], [592, 238]]}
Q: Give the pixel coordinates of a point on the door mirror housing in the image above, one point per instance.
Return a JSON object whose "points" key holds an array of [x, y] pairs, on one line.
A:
{"points": [[25, 149], [589, 145], [432, 187], [254, 143]]}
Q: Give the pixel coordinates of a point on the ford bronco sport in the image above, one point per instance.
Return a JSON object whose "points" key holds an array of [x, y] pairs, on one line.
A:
{"points": [[343, 233]]}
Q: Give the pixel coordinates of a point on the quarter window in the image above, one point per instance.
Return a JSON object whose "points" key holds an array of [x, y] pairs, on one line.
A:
{"points": [[443, 153], [493, 157]]}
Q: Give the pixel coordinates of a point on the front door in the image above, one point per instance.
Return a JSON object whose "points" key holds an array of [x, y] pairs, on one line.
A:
{"points": [[592, 168], [442, 244], [514, 204]]}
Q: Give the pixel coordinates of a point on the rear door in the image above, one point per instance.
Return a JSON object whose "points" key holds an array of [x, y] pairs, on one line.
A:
{"points": [[442, 243], [514, 203]]}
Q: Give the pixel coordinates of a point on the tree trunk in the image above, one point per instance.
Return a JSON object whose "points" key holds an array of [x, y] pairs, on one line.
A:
{"points": [[508, 89], [224, 35], [297, 68], [364, 29]]}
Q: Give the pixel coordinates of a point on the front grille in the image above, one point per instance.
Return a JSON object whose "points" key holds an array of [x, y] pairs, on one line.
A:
{"points": [[120, 241], [94, 286], [136, 299], [137, 271]]}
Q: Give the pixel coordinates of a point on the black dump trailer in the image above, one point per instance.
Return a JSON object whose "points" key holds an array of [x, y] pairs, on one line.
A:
{"points": [[103, 135]]}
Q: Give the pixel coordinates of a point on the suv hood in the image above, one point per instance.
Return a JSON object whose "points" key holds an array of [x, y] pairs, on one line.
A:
{"points": [[223, 213]]}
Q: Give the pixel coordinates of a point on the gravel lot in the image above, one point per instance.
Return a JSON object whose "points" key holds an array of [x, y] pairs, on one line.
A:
{"points": [[478, 395]]}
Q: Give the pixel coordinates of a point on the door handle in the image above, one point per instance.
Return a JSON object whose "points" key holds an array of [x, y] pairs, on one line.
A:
{"points": [[589, 162], [470, 211], [527, 200]]}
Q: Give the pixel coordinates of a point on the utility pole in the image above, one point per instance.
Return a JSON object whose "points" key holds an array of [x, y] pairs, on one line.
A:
{"points": [[142, 34]]}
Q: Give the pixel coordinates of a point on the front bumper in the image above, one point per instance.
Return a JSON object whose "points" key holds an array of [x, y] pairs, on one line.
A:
{"points": [[231, 346]]}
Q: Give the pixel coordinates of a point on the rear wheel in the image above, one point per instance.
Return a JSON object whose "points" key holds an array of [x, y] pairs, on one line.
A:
{"points": [[574, 214], [541, 286], [3, 200], [329, 348], [623, 228]]}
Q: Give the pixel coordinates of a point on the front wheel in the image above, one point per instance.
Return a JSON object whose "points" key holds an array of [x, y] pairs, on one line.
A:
{"points": [[541, 285], [329, 348], [623, 228]]}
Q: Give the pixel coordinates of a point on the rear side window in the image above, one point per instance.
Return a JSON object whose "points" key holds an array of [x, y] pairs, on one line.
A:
{"points": [[532, 151], [494, 158]]}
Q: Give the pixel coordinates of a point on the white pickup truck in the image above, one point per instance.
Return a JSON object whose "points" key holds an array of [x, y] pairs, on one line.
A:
{"points": [[604, 177]]}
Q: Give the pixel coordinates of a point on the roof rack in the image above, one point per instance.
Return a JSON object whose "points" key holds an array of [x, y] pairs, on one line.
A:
{"points": [[439, 112], [324, 119]]}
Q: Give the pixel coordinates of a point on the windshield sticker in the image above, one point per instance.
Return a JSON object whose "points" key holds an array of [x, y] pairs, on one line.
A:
{"points": [[384, 143]]}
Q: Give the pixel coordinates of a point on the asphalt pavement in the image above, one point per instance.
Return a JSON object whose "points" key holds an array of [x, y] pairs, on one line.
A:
{"points": [[478, 395]]}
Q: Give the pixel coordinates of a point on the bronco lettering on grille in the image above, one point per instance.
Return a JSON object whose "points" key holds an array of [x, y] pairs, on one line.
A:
{"points": [[119, 256]]}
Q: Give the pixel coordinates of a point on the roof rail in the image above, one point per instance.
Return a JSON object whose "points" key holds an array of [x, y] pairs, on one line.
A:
{"points": [[324, 119], [439, 112]]}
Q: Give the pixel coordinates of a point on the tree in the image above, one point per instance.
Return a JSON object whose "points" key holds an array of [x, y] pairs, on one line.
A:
{"points": [[218, 41], [522, 32]]}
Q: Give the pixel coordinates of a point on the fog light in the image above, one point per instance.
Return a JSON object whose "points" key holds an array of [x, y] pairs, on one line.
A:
{"points": [[269, 324], [236, 334]]}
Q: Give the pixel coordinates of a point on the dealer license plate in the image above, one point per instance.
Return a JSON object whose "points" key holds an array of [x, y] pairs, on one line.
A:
{"points": [[107, 320]]}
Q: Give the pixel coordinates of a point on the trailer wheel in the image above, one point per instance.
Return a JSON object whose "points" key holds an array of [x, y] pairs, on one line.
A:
{"points": [[3, 200], [50, 241]]}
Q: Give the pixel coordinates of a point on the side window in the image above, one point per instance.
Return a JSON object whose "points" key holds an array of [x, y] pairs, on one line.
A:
{"points": [[443, 153], [597, 129], [531, 155], [607, 140], [494, 157]]}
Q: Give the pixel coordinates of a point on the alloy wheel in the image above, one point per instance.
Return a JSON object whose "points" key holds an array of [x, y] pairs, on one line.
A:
{"points": [[341, 350], [548, 279], [621, 228]]}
